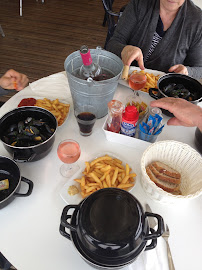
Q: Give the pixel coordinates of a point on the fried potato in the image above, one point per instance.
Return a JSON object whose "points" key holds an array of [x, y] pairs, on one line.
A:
{"points": [[104, 172], [151, 80], [58, 109]]}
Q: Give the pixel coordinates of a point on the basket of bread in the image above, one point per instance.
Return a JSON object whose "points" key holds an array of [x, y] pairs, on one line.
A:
{"points": [[171, 171]]}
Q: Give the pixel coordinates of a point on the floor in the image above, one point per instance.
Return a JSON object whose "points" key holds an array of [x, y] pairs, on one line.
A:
{"points": [[38, 42]]}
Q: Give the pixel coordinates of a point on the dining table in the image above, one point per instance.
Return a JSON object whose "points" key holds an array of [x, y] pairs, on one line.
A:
{"points": [[30, 237]]}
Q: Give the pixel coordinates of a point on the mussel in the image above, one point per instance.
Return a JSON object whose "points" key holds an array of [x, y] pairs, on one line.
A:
{"points": [[27, 132], [177, 91]]}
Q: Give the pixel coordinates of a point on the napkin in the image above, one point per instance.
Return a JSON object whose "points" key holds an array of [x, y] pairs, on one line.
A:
{"points": [[154, 259], [53, 86]]}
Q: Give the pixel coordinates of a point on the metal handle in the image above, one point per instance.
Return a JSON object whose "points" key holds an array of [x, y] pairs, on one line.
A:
{"points": [[153, 242], [30, 188], [170, 259], [21, 156], [160, 230], [64, 216]]}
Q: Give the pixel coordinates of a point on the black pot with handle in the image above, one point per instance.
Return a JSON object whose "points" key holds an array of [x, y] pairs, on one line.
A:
{"points": [[191, 84], [10, 170], [109, 228], [34, 152]]}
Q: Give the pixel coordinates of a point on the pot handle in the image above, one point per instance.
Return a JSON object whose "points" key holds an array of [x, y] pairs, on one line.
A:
{"points": [[64, 224], [20, 156], [30, 188], [160, 229], [153, 243], [152, 94]]}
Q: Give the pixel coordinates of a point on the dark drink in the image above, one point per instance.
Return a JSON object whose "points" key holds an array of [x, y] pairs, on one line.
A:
{"points": [[86, 121], [105, 75]]}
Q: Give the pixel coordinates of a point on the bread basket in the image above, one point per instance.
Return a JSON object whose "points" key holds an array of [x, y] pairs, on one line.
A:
{"points": [[181, 157]]}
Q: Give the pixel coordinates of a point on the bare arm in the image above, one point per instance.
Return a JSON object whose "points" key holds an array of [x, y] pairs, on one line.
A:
{"points": [[186, 113], [13, 80]]}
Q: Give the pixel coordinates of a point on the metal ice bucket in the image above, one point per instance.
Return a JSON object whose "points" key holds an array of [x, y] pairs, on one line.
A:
{"points": [[98, 93]]}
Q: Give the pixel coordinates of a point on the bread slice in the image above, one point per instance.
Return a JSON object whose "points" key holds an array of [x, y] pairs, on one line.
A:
{"points": [[164, 177], [165, 169], [167, 186]]}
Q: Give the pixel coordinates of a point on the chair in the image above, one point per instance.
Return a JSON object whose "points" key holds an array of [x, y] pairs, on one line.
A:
{"points": [[111, 18], [1, 31], [21, 6]]}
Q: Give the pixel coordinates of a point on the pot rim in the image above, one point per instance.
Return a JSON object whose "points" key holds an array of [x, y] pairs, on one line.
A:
{"points": [[19, 180], [6, 115], [75, 240], [179, 76]]}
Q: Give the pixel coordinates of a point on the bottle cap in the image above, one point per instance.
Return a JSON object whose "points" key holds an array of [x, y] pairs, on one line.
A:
{"points": [[131, 113], [85, 55], [115, 106], [155, 110]]}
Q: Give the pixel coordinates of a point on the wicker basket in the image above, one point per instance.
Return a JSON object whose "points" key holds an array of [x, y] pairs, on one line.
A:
{"points": [[181, 157]]}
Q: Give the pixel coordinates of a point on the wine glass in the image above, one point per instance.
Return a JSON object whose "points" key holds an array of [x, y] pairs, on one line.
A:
{"points": [[68, 152], [137, 80]]}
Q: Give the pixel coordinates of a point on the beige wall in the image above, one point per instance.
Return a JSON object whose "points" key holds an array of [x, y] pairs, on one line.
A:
{"points": [[198, 3]]}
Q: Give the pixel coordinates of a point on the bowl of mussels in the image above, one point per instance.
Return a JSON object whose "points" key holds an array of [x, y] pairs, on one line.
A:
{"points": [[178, 86], [28, 133]]}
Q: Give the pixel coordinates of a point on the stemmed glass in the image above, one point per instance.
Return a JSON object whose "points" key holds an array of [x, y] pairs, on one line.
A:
{"points": [[137, 80], [68, 152]]}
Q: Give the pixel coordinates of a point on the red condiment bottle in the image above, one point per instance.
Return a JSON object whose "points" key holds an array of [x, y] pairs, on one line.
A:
{"points": [[115, 110], [129, 121]]}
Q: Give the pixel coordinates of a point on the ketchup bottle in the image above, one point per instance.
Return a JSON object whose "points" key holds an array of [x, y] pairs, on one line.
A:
{"points": [[115, 110], [129, 121]]}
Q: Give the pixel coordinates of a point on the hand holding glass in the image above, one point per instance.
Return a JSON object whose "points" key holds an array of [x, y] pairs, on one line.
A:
{"points": [[68, 152]]}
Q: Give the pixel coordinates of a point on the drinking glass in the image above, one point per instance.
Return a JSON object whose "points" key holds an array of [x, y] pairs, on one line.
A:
{"points": [[86, 117], [68, 152], [137, 80]]}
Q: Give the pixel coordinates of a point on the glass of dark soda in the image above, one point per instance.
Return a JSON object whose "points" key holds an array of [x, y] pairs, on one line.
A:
{"points": [[86, 117]]}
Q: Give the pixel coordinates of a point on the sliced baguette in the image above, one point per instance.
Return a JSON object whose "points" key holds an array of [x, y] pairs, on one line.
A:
{"points": [[164, 177], [165, 169], [169, 187]]}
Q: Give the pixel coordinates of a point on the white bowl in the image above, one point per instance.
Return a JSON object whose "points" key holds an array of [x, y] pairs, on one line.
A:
{"points": [[181, 157]]}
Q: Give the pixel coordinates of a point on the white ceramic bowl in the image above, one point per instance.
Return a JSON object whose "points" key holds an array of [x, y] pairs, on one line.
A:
{"points": [[181, 157]]}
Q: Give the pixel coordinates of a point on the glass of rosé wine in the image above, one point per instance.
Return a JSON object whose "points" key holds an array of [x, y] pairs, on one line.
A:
{"points": [[68, 152], [137, 81]]}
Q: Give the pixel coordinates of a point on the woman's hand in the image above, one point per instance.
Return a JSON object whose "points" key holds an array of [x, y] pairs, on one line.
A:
{"points": [[179, 69], [13, 80], [131, 53], [185, 112]]}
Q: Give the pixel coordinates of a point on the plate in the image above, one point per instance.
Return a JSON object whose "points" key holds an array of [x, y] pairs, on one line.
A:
{"points": [[19, 98], [151, 71], [76, 199]]}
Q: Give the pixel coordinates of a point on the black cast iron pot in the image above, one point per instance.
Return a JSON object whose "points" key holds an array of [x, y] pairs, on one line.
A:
{"points": [[29, 153], [194, 87], [109, 228], [10, 170]]}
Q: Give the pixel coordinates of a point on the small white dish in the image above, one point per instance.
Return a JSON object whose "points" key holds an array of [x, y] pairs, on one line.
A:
{"points": [[76, 199]]}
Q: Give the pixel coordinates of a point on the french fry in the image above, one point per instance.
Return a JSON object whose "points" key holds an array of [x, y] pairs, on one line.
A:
{"points": [[57, 108], [104, 172]]}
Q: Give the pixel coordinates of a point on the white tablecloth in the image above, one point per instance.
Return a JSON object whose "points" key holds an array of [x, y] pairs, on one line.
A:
{"points": [[29, 226]]}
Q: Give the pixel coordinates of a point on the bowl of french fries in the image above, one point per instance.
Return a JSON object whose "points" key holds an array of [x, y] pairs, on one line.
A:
{"points": [[103, 171]]}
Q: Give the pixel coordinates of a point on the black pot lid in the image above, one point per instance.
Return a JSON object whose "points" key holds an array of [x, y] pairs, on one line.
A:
{"points": [[111, 214], [102, 261]]}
